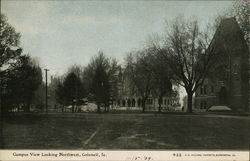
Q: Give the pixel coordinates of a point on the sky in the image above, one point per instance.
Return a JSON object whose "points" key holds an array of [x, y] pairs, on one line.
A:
{"points": [[60, 33]]}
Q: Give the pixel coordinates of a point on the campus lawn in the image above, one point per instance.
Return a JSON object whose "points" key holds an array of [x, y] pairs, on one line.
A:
{"points": [[125, 131]]}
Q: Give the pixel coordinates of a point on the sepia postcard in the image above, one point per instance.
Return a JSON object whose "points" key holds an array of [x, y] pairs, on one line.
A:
{"points": [[125, 80]]}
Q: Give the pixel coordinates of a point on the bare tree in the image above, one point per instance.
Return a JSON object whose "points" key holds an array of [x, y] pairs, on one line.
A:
{"points": [[188, 55], [161, 74], [137, 65]]}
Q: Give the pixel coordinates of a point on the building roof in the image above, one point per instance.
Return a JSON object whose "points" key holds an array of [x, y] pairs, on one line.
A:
{"points": [[229, 37]]}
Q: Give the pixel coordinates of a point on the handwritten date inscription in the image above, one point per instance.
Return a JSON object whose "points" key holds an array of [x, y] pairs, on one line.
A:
{"points": [[140, 158]]}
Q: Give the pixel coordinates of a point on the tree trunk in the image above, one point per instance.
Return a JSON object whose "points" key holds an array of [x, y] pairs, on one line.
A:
{"points": [[98, 108], [189, 102], [107, 107], [143, 105], [72, 108], [160, 101]]}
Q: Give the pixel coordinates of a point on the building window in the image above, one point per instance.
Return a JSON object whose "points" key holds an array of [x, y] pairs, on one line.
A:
{"points": [[201, 105], [165, 101]]}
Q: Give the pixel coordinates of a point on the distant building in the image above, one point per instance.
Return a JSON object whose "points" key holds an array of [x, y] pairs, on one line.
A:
{"points": [[228, 82], [128, 97]]}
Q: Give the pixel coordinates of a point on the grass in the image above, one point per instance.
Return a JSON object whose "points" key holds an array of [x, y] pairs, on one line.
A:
{"points": [[125, 131]]}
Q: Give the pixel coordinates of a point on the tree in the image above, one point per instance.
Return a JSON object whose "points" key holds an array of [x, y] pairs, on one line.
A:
{"points": [[71, 91], [52, 91], [9, 52], [9, 43], [23, 80], [60, 94], [162, 84], [188, 55], [241, 11], [108, 68], [57, 89], [39, 97], [137, 67], [20, 76], [77, 70], [101, 88], [161, 72]]}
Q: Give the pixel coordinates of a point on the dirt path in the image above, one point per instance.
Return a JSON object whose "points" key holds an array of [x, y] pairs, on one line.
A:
{"points": [[91, 137]]}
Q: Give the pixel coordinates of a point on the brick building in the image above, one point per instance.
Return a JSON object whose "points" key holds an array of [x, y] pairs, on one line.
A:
{"points": [[228, 82]]}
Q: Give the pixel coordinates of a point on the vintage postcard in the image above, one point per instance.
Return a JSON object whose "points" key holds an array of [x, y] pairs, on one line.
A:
{"points": [[124, 80]]}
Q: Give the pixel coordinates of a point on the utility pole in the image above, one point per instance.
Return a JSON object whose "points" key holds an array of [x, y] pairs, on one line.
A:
{"points": [[46, 90]]}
